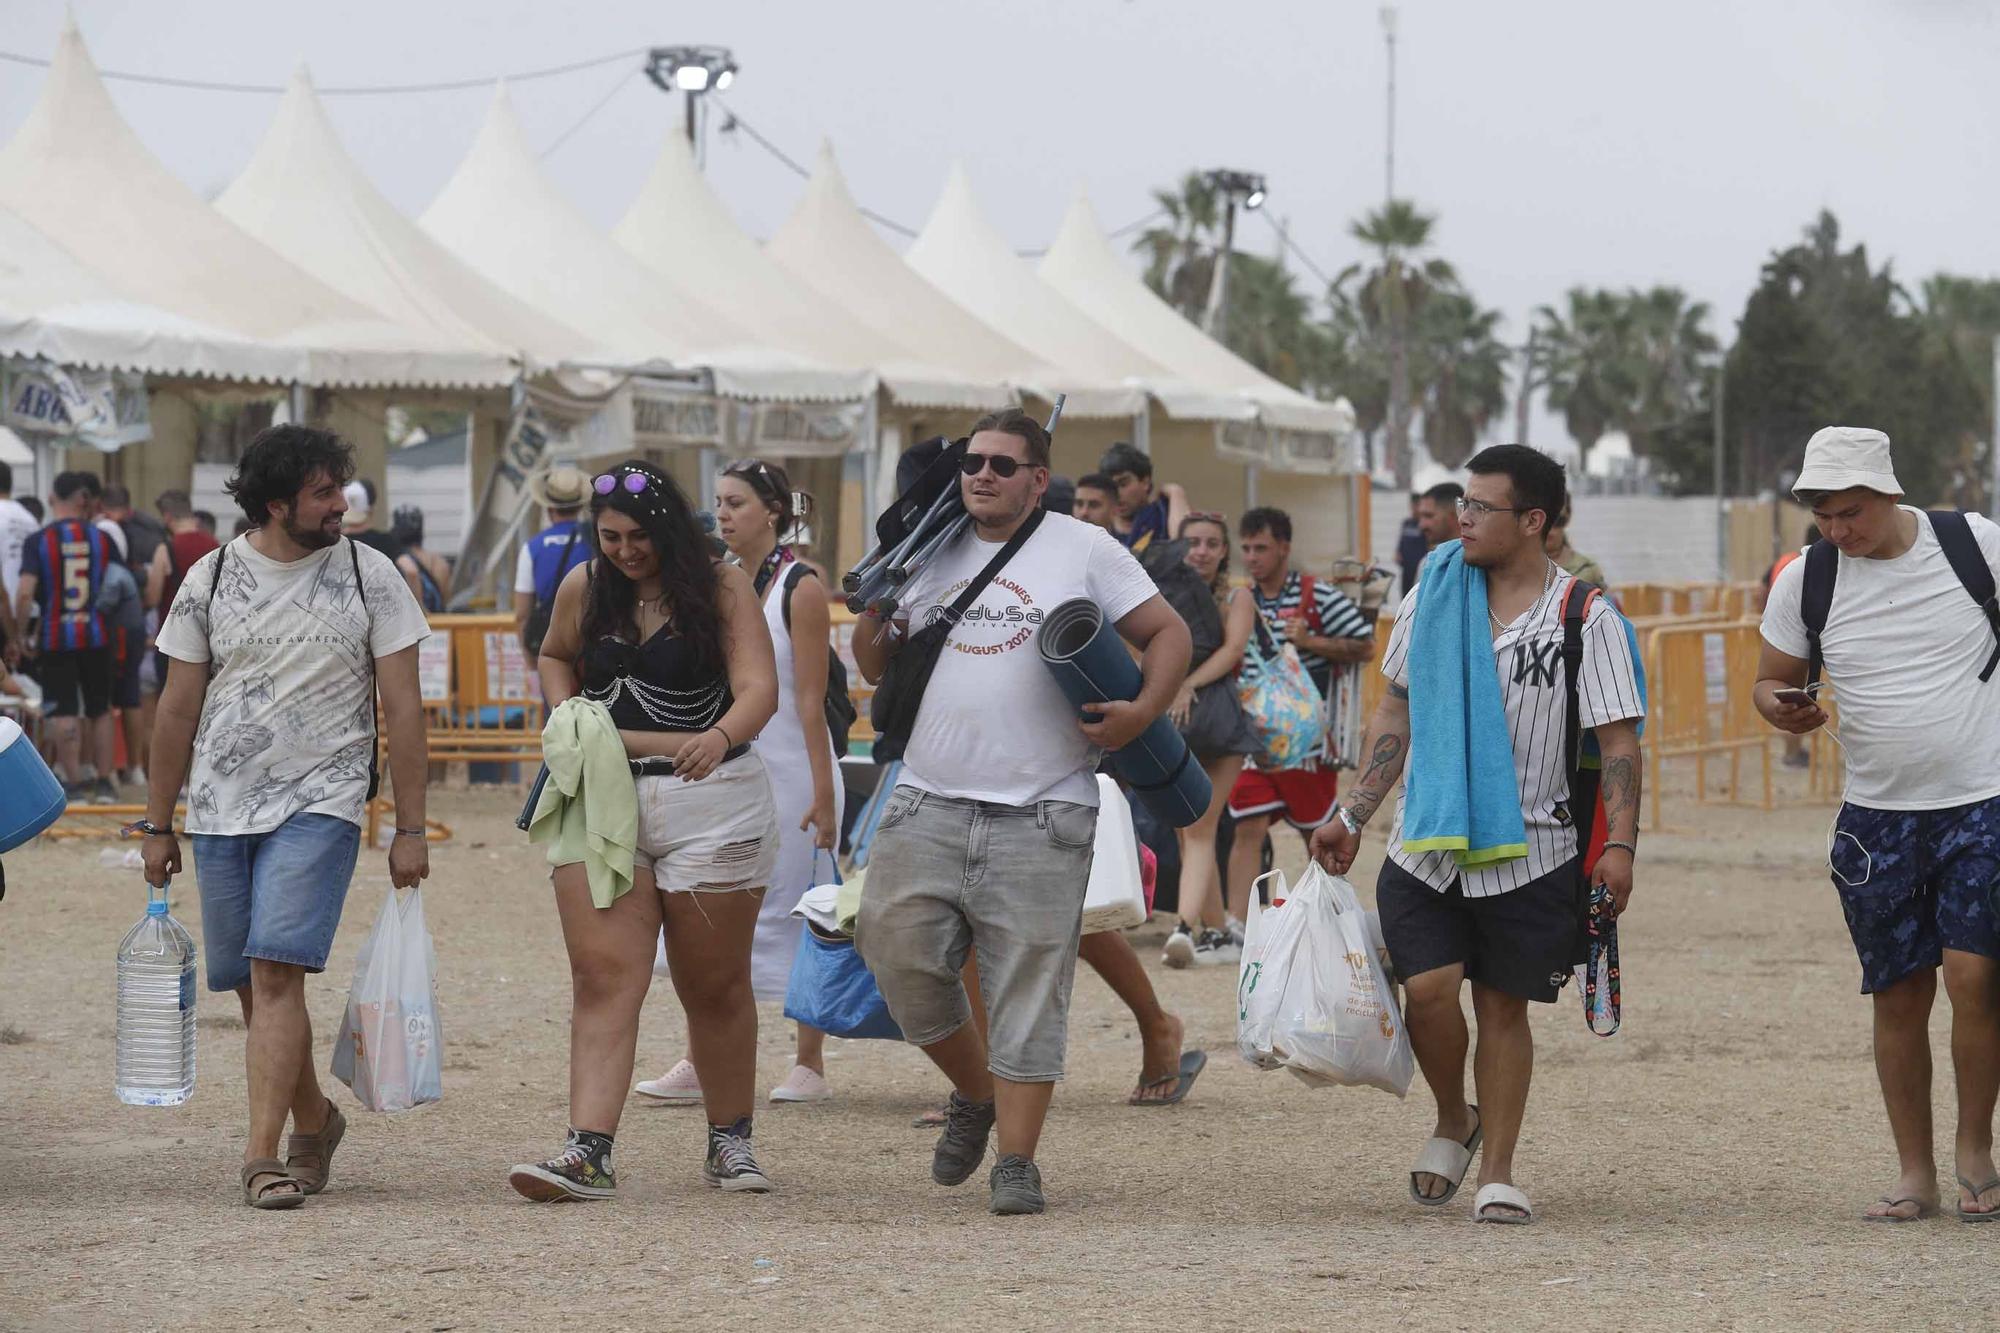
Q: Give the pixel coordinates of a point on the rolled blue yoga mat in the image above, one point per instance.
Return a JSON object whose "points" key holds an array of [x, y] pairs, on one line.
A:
{"points": [[1092, 665]]}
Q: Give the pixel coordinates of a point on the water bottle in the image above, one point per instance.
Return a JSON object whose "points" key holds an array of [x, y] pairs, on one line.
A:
{"points": [[156, 1008]]}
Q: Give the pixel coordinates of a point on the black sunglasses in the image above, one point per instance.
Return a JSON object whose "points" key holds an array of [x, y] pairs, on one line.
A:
{"points": [[1003, 466]]}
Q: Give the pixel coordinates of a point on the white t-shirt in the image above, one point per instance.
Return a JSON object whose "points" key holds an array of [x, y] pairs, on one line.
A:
{"points": [[1528, 657], [116, 536], [289, 721], [994, 725], [1904, 645], [524, 571], [16, 526]]}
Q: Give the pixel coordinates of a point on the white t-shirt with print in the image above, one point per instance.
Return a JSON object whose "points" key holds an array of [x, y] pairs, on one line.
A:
{"points": [[1904, 645], [994, 725], [289, 721], [1527, 655], [16, 526]]}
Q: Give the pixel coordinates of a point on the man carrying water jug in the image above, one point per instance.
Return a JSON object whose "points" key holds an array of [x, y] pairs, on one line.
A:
{"points": [[276, 646], [1896, 606]]}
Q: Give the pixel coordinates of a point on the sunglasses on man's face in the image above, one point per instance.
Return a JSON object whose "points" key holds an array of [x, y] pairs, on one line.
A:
{"points": [[634, 482], [1003, 466]]}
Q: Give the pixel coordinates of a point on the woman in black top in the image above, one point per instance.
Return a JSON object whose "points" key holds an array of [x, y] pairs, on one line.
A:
{"points": [[674, 644]]}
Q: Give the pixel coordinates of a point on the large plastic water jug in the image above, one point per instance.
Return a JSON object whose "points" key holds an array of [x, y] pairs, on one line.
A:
{"points": [[30, 797], [156, 997]]}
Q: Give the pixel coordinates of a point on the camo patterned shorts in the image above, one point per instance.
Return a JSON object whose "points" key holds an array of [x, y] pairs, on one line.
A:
{"points": [[1913, 883]]}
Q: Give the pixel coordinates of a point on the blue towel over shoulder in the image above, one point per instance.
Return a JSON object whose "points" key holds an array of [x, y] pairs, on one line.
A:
{"points": [[1462, 794]]}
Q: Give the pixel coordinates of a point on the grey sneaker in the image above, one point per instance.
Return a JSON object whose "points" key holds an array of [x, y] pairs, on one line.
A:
{"points": [[1017, 1187], [962, 1146], [732, 1166]]}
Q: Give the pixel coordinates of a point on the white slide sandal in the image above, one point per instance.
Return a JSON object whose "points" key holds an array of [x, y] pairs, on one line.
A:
{"points": [[1447, 1158], [1494, 1203]]}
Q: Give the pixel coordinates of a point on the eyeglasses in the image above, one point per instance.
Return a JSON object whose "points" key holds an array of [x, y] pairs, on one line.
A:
{"points": [[1204, 516], [1478, 509], [634, 483], [1003, 466]]}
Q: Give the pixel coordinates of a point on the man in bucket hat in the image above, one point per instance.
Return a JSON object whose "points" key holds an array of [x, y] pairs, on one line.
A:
{"points": [[549, 554], [1896, 604]]}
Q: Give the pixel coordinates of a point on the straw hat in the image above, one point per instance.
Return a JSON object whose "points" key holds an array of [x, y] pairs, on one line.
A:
{"points": [[561, 488]]}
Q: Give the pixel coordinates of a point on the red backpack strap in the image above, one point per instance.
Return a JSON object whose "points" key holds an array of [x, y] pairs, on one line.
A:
{"points": [[1309, 604]]}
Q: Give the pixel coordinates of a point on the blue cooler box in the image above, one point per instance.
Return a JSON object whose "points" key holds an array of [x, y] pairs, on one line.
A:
{"points": [[30, 797]]}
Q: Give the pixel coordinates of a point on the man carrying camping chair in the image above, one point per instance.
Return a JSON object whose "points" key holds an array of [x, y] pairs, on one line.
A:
{"points": [[1497, 663]]}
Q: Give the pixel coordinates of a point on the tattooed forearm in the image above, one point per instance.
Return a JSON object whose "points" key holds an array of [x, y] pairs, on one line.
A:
{"points": [[1385, 765], [1621, 796]]}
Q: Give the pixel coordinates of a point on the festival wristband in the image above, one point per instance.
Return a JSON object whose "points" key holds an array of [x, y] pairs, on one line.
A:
{"points": [[1347, 820], [1626, 847]]}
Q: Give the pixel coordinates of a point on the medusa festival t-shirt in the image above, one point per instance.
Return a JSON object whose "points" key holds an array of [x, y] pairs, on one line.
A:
{"points": [[994, 725], [289, 720]]}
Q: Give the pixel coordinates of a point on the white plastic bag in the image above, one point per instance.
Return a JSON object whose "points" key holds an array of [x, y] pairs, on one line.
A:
{"points": [[1115, 897], [1313, 995], [391, 1046]]}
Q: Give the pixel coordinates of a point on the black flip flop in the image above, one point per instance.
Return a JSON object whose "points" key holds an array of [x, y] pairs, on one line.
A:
{"points": [[1192, 1063]]}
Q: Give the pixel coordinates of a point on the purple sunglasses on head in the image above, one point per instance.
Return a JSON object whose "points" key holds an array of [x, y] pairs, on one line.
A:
{"points": [[635, 482]]}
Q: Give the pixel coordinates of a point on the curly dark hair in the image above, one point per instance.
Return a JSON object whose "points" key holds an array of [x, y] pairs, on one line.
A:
{"points": [[687, 566], [279, 462]]}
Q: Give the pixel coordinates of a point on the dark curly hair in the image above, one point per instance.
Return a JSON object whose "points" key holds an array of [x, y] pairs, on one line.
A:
{"points": [[279, 462], [687, 566]]}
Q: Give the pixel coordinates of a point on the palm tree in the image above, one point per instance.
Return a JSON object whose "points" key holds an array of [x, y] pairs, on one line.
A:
{"points": [[1269, 324], [1584, 364], [1180, 255], [1672, 355], [1633, 361], [1464, 368], [1393, 294], [1362, 375]]}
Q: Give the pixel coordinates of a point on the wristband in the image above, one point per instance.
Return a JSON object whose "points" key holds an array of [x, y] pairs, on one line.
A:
{"points": [[728, 741], [1625, 847], [147, 827], [1346, 820], [411, 833]]}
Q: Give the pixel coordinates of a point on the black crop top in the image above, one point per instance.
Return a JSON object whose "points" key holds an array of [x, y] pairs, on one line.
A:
{"points": [[653, 686]]}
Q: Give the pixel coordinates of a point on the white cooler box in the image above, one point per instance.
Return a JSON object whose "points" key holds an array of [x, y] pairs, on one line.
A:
{"points": [[1115, 898]]}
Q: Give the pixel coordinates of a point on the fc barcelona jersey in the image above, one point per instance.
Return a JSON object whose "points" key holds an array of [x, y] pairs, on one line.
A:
{"points": [[68, 559]]}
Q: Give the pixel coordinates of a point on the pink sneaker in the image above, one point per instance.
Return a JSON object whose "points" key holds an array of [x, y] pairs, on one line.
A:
{"points": [[677, 1087], [802, 1085]]}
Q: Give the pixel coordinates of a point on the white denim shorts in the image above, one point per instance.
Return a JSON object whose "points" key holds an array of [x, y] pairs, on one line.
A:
{"points": [[717, 835]]}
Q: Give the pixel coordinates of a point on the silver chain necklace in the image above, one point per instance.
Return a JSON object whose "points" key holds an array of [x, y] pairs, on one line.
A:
{"points": [[1548, 581]]}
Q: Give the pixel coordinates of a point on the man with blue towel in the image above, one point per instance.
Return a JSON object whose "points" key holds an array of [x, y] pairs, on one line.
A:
{"points": [[1484, 875]]}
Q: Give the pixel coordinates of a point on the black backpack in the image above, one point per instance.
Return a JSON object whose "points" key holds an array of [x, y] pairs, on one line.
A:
{"points": [[1586, 769], [840, 710], [1186, 591], [1961, 548]]}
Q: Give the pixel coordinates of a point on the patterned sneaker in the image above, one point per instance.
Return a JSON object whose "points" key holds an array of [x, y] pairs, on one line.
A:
{"points": [[731, 1165], [1016, 1186], [575, 1173], [677, 1087], [1214, 949], [1180, 948], [962, 1146], [802, 1085]]}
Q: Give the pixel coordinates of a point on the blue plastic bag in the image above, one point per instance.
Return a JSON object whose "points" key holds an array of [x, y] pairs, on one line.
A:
{"points": [[832, 989]]}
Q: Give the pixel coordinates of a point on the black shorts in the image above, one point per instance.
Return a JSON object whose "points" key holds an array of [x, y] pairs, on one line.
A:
{"points": [[125, 677], [84, 675], [1524, 942]]}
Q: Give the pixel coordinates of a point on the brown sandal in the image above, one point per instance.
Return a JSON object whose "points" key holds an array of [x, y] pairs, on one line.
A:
{"points": [[276, 1177], [309, 1157]]}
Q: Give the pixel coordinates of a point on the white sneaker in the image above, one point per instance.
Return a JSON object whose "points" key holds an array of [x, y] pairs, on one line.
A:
{"points": [[1180, 948], [802, 1085], [677, 1087]]}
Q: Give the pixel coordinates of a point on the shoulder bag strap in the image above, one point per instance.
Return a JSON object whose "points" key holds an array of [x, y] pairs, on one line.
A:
{"points": [[956, 612], [1961, 548], [1816, 600], [792, 577], [1576, 609], [562, 565], [368, 652], [1309, 604]]}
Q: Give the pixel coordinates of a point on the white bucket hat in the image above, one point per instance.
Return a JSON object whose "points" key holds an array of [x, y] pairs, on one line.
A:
{"points": [[1840, 458]]}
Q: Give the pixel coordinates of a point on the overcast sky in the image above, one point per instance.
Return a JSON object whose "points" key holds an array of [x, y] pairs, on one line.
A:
{"points": [[1559, 143]]}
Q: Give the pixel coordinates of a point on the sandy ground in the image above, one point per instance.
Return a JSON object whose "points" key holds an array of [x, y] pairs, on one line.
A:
{"points": [[1702, 1169]]}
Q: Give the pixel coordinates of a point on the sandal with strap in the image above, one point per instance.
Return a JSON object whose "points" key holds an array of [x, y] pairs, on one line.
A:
{"points": [[272, 1192], [1925, 1210], [1991, 1215], [1447, 1159], [309, 1157]]}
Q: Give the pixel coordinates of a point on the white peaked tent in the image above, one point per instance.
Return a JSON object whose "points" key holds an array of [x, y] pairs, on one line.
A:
{"points": [[77, 171], [52, 307], [500, 214], [829, 246], [1082, 267], [303, 196], [678, 228], [967, 258]]}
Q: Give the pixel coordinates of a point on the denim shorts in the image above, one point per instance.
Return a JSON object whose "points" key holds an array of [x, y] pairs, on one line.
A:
{"points": [[1913, 883], [948, 877], [275, 896]]}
